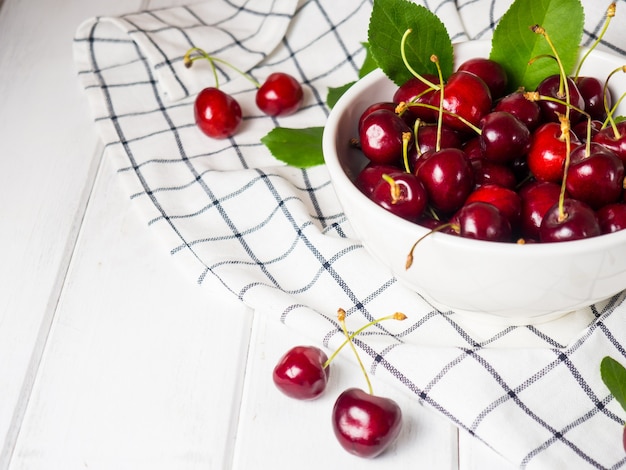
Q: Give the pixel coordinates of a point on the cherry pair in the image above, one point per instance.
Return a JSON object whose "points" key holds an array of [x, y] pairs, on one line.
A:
{"points": [[218, 114], [364, 424]]}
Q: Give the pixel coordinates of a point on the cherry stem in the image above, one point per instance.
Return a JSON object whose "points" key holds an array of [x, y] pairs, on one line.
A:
{"points": [[406, 137], [394, 316], [202, 54], [563, 76], [341, 315], [435, 59], [394, 190], [436, 108], [409, 258], [408, 66], [610, 13], [609, 112], [565, 130]]}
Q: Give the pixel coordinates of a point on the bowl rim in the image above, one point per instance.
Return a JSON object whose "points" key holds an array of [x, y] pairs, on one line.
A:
{"points": [[339, 177]]}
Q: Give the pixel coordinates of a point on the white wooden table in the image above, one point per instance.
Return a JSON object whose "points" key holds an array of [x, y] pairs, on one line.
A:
{"points": [[107, 356]]}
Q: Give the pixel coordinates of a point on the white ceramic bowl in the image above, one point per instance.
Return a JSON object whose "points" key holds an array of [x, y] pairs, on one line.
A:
{"points": [[505, 282]]}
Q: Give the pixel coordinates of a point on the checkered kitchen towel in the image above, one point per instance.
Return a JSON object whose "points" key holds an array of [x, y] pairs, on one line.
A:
{"points": [[277, 238]]}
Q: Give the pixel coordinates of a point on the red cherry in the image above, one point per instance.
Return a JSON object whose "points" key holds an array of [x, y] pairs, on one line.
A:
{"points": [[612, 217], [491, 72], [537, 197], [616, 143], [550, 86], [508, 202], [523, 109], [381, 137], [280, 95], [370, 176], [365, 425], [486, 172], [592, 91], [217, 114], [579, 221], [301, 374], [448, 178], [596, 179], [401, 194], [483, 221], [414, 91], [465, 95], [546, 156], [503, 137]]}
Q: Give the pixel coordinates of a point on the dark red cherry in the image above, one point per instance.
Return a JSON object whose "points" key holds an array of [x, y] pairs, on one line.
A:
{"points": [[413, 92], [596, 178], [491, 72], [614, 139], [301, 374], [577, 221], [465, 95], [280, 95], [370, 176], [401, 194], [612, 217], [381, 137], [507, 201], [388, 105], [365, 425], [217, 114], [592, 91], [428, 137], [551, 87], [537, 197], [586, 130], [503, 137], [482, 221], [486, 172], [448, 178], [523, 109]]}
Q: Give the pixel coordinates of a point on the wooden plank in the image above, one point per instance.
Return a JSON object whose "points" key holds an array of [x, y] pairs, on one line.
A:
{"points": [[143, 368], [48, 164]]}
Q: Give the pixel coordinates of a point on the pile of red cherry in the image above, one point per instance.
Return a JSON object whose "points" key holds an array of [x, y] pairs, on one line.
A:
{"points": [[494, 166]]}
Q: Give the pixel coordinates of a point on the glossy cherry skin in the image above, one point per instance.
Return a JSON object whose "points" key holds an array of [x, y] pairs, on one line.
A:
{"points": [[549, 86], [300, 372], [507, 201], [381, 137], [503, 137], [465, 95], [415, 91], [280, 95], [579, 222], [370, 176], [612, 217], [486, 172], [217, 114], [482, 221], [523, 109], [401, 194], [388, 105], [548, 149], [616, 143], [596, 179], [592, 91], [490, 71], [448, 177], [537, 197], [365, 425]]}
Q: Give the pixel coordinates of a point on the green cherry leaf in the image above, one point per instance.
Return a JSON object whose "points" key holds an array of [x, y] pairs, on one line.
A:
{"points": [[614, 377], [301, 148], [514, 44], [389, 21]]}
